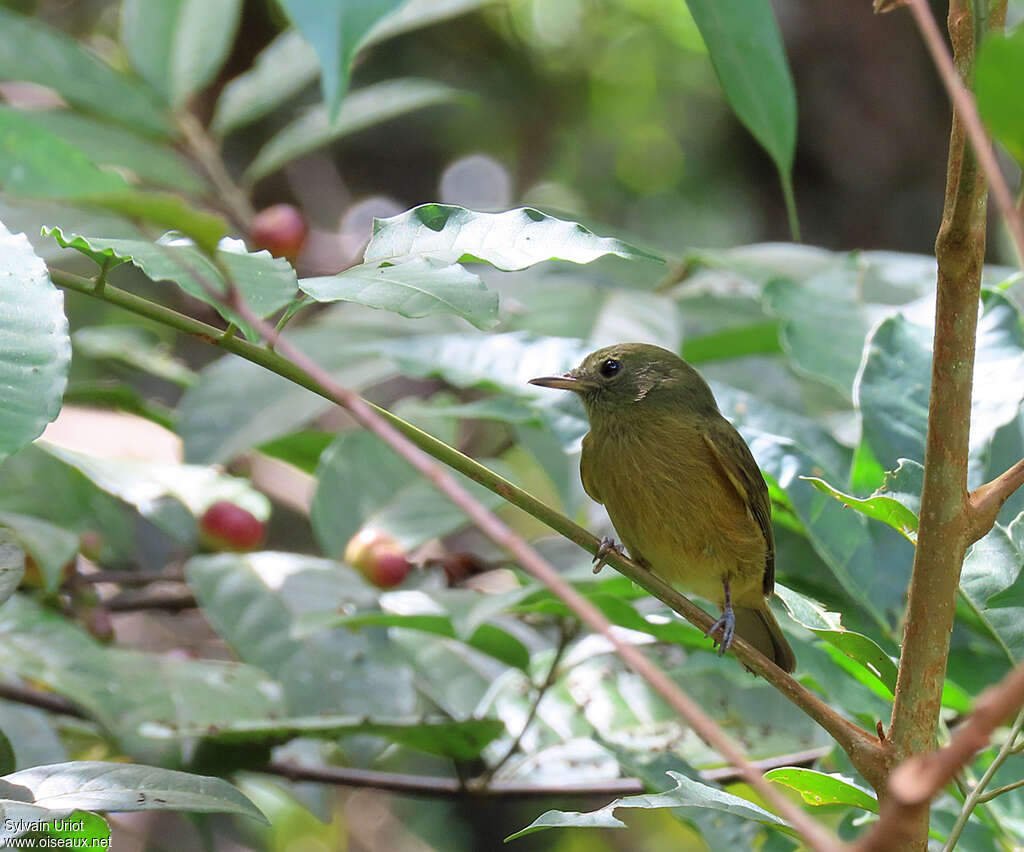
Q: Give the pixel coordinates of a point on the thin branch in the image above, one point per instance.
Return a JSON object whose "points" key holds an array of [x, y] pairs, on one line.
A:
{"points": [[863, 748], [502, 535], [914, 783], [986, 500], [566, 634], [43, 700], [998, 791], [130, 578], [967, 110], [172, 600], [205, 151]]}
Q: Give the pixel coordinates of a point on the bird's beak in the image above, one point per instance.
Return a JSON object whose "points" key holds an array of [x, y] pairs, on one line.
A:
{"points": [[564, 382]]}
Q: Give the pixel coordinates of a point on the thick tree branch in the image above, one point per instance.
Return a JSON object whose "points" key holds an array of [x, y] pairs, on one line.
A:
{"points": [[914, 783], [862, 747], [985, 501]]}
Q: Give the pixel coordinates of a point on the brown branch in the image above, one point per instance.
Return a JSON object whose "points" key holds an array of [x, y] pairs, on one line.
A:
{"points": [[966, 108], [204, 149], [914, 783], [43, 700], [171, 600], [985, 501], [129, 578], [862, 747], [815, 836]]}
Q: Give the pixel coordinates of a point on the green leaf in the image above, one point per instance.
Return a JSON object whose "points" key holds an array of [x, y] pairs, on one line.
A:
{"points": [[818, 788], [515, 239], [8, 762], [52, 547], [992, 583], [39, 164], [745, 45], [828, 626], [998, 77], [267, 283], [755, 339], [94, 785], [31, 50], [135, 346], [391, 496], [416, 287], [100, 393], [255, 601], [686, 794], [300, 449], [107, 145], [888, 510], [35, 350], [360, 109], [415, 14], [892, 388], [460, 739], [335, 30], [823, 324], [178, 46], [280, 71], [12, 565]]}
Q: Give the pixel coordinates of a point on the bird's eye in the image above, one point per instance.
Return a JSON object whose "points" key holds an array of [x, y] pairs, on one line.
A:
{"points": [[610, 367]]}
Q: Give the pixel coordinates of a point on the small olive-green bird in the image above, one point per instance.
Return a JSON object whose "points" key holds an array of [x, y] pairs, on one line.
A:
{"points": [[680, 485]]}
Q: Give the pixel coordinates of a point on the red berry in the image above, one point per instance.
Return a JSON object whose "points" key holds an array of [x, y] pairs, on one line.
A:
{"points": [[280, 229], [378, 557], [226, 526]]}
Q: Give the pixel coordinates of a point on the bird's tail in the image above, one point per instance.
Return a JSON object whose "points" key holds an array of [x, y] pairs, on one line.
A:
{"points": [[760, 629]]}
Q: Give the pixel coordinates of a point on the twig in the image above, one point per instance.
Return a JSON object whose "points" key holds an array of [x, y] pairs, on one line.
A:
{"points": [[446, 788], [43, 700], [862, 747], [986, 500], [815, 836], [914, 783], [968, 113], [998, 791], [567, 633], [205, 151], [130, 578], [169, 601]]}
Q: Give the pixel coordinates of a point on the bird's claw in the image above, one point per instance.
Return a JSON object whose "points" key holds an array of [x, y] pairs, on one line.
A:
{"points": [[726, 627], [604, 550]]}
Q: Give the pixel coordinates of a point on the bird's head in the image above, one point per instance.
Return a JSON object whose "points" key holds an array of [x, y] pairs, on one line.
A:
{"points": [[634, 377]]}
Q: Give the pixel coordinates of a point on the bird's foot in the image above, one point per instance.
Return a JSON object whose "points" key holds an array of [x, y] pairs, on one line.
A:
{"points": [[607, 547], [726, 628]]}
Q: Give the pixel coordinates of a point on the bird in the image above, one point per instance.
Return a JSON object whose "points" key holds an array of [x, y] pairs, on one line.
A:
{"points": [[680, 485]]}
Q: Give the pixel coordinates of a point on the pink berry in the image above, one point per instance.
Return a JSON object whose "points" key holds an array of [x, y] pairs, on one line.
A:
{"points": [[378, 557], [280, 229], [227, 526]]}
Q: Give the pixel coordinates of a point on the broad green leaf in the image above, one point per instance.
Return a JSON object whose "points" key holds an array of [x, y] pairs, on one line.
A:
{"points": [[123, 689], [818, 788], [414, 14], [515, 239], [686, 794], [107, 145], [823, 326], [991, 581], [756, 339], [101, 393], [300, 449], [237, 405], [888, 510], [100, 786], [33, 735], [335, 31], [37, 163], [35, 350], [51, 547], [178, 45], [998, 76], [360, 109], [255, 601], [892, 388], [145, 483], [8, 762], [828, 626], [281, 70], [32, 50], [28, 215], [267, 283], [745, 45], [460, 739], [363, 483], [12, 565], [134, 346], [415, 287]]}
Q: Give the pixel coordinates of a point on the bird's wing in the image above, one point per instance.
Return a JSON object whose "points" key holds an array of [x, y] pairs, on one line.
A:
{"points": [[737, 462], [586, 459]]}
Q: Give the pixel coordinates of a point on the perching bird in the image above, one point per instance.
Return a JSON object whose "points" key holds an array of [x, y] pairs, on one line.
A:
{"points": [[680, 485]]}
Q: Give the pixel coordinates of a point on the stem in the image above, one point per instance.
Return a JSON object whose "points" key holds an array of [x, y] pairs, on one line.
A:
{"points": [[205, 150], [998, 791], [790, 199], [975, 796], [862, 747]]}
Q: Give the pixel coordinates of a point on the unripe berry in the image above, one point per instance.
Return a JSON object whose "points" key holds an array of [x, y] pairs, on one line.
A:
{"points": [[378, 557], [280, 229], [227, 526]]}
